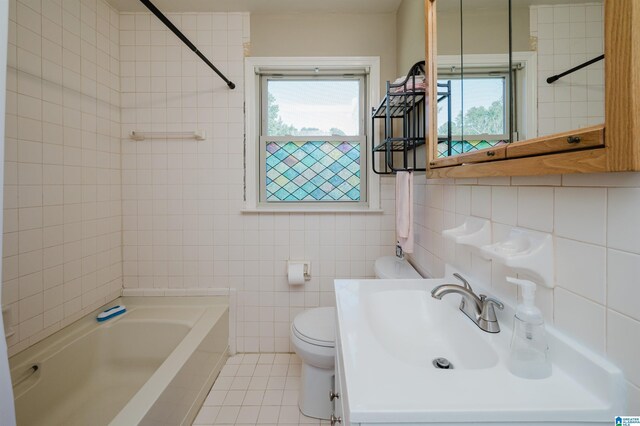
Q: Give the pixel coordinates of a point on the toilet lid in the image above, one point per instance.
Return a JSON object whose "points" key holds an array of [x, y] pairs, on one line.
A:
{"points": [[391, 267], [316, 326]]}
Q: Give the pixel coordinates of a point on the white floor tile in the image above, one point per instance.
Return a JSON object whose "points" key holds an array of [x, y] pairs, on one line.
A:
{"points": [[207, 415], [253, 397], [268, 414], [248, 414], [227, 414], [255, 389], [272, 397], [234, 397]]}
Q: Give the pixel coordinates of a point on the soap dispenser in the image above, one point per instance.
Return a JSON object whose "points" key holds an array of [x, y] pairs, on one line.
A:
{"points": [[529, 356]]}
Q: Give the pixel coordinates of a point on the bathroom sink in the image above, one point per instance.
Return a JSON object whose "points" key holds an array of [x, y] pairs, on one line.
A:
{"points": [[416, 329], [390, 332]]}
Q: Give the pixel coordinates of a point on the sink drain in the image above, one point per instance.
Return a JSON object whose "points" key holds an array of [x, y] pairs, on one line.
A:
{"points": [[442, 363]]}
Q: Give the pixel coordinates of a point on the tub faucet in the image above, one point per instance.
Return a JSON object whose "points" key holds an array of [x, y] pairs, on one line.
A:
{"points": [[479, 308]]}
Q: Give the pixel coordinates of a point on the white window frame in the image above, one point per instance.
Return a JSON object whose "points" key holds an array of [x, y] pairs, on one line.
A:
{"points": [[370, 182], [505, 111], [527, 84]]}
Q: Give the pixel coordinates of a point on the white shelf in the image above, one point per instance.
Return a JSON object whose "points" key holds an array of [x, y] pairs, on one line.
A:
{"points": [[198, 135], [474, 232], [527, 252]]}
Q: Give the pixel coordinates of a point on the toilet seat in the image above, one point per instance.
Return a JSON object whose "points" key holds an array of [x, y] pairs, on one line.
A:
{"points": [[316, 327]]}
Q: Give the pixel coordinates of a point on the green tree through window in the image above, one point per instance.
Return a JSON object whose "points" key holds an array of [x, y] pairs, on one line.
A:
{"points": [[276, 126], [478, 121]]}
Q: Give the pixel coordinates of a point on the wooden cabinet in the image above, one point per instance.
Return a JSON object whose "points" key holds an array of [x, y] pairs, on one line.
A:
{"points": [[611, 147]]}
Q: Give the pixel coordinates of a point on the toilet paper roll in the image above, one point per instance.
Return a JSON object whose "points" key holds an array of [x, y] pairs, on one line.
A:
{"points": [[296, 273]]}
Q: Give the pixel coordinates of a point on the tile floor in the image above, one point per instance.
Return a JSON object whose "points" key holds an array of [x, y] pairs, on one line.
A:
{"points": [[255, 389]]}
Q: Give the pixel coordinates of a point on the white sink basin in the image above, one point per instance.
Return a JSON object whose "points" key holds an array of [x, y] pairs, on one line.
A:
{"points": [[416, 328], [389, 332]]}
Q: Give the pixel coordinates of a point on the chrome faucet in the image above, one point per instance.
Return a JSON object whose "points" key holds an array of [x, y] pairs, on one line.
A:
{"points": [[479, 308]]}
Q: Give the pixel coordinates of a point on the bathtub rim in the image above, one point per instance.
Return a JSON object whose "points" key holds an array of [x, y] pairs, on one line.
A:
{"points": [[87, 323], [213, 308]]}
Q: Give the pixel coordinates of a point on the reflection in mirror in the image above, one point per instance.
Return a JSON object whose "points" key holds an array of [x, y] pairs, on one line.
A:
{"points": [[473, 68], [488, 97], [563, 34]]}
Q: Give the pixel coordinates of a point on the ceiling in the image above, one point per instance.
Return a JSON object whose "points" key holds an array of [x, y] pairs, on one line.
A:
{"points": [[263, 6]]}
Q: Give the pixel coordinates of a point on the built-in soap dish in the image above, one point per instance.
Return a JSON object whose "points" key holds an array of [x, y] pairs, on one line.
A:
{"points": [[527, 252], [474, 232]]}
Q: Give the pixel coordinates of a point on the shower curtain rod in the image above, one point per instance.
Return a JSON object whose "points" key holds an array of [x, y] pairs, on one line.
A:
{"points": [[556, 77], [185, 40]]}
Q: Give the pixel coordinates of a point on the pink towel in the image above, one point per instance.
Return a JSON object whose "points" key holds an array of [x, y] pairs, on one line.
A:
{"points": [[404, 210]]}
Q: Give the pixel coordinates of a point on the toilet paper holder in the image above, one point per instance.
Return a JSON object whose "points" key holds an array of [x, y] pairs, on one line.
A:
{"points": [[306, 266]]}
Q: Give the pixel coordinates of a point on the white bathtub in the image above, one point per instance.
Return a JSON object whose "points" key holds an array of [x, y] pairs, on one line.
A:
{"points": [[150, 366]]}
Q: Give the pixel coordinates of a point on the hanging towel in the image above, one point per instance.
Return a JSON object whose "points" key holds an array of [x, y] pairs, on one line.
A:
{"points": [[404, 210]]}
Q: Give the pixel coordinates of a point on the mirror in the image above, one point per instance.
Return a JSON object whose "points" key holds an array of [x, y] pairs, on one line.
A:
{"points": [[473, 75], [493, 61], [562, 35]]}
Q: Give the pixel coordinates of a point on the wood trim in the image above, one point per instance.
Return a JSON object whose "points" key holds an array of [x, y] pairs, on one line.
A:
{"points": [[479, 156], [622, 83], [483, 155], [431, 69], [445, 162], [540, 156], [590, 137], [586, 161]]}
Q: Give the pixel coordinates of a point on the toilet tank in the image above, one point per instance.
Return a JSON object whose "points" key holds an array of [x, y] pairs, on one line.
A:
{"points": [[392, 267]]}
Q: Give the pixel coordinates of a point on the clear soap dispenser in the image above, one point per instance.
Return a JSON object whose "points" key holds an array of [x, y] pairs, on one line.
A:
{"points": [[529, 357]]}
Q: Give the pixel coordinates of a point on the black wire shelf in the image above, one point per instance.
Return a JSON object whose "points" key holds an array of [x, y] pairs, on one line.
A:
{"points": [[402, 118]]}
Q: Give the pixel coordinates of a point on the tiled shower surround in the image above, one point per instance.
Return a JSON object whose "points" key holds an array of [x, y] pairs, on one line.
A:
{"points": [[566, 36], [62, 213], [182, 200], [79, 191]]}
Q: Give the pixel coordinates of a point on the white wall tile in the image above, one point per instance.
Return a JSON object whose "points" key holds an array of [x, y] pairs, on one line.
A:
{"points": [[463, 200], [580, 214], [481, 201], [622, 331], [563, 34], [633, 398], [623, 212], [88, 243], [504, 205], [535, 208], [623, 282], [581, 318], [581, 268]]}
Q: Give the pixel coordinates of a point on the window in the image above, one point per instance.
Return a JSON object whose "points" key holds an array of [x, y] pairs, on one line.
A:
{"points": [[307, 127], [312, 143], [479, 113]]}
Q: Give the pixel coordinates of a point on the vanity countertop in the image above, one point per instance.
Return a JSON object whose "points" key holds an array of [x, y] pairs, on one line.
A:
{"points": [[389, 332]]}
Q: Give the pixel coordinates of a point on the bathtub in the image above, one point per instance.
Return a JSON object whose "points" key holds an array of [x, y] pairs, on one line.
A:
{"points": [[152, 365]]}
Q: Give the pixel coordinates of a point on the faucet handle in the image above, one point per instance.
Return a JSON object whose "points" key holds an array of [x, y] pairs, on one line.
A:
{"points": [[488, 313], [496, 302], [464, 281]]}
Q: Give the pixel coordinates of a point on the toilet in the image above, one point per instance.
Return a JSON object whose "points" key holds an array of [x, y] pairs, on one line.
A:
{"points": [[313, 338]]}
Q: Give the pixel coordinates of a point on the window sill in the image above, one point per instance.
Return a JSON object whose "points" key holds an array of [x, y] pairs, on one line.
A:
{"points": [[259, 210]]}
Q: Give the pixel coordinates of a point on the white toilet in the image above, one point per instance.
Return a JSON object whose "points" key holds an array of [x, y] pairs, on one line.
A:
{"points": [[313, 338]]}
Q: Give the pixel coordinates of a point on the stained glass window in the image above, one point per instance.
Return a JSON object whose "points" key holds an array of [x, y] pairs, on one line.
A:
{"points": [[313, 141], [461, 147], [313, 171]]}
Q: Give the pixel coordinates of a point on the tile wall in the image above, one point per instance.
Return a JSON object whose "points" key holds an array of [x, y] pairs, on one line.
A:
{"points": [[594, 219], [568, 35], [182, 200], [62, 213]]}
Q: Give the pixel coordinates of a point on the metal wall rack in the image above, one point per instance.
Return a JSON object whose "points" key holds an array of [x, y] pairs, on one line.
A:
{"points": [[403, 116]]}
